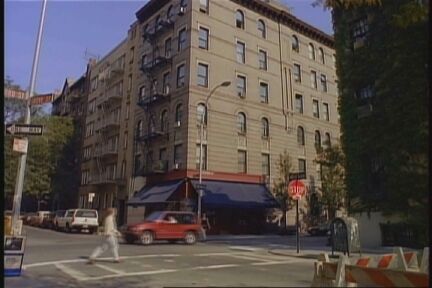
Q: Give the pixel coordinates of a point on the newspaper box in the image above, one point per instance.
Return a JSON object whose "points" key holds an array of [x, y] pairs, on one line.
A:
{"points": [[345, 235], [13, 255]]}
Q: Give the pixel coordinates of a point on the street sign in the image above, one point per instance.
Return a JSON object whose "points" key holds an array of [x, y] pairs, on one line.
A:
{"points": [[297, 176], [20, 145], [24, 129], [296, 189]]}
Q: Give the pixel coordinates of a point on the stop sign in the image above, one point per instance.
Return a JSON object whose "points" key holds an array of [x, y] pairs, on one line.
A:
{"points": [[296, 189]]}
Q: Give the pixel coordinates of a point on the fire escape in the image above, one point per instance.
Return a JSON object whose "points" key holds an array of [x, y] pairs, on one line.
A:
{"points": [[151, 66], [109, 121]]}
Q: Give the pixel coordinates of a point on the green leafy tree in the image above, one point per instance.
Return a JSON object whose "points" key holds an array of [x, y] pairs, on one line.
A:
{"points": [[333, 189], [42, 159], [284, 166]]}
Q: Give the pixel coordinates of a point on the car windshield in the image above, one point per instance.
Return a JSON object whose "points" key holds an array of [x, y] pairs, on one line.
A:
{"points": [[154, 216], [86, 213]]}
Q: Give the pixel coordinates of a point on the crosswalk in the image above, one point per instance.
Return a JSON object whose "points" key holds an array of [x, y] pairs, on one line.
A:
{"points": [[141, 265]]}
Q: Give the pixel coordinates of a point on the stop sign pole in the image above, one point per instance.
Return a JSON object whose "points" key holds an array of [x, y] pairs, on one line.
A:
{"points": [[296, 196]]}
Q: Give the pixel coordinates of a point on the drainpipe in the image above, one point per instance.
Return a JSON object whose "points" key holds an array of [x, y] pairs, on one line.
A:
{"points": [[281, 73]]}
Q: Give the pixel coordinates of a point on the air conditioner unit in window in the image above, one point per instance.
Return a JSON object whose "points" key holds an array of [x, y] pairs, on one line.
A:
{"points": [[182, 10], [177, 166], [241, 94], [177, 124]]}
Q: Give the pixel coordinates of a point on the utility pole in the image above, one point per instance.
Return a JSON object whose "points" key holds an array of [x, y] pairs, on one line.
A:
{"points": [[23, 158]]}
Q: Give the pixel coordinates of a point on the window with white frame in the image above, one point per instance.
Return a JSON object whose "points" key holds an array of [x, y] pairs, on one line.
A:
{"points": [[315, 108], [311, 51], [241, 50], [241, 86], [168, 45], [164, 121], [302, 165], [297, 73], [181, 73], [327, 140], [264, 92], [241, 123], [326, 111], [261, 28], [179, 113], [313, 78], [295, 46], [317, 139], [177, 153], [182, 39], [166, 83], [262, 58], [242, 161], [239, 19], [323, 83], [203, 38], [265, 129], [265, 164], [299, 103], [321, 55], [300, 136], [202, 76], [201, 111]]}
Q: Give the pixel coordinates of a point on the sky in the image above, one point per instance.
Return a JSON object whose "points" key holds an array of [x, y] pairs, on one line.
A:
{"points": [[95, 26]]}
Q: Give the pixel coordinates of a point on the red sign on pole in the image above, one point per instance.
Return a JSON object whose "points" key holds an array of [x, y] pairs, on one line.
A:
{"points": [[296, 189]]}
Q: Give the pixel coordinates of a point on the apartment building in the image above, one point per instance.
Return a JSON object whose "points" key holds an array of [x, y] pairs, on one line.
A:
{"points": [[282, 96]]}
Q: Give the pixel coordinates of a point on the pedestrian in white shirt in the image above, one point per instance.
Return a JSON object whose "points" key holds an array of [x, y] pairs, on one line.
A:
{"points": [[109, 238]]}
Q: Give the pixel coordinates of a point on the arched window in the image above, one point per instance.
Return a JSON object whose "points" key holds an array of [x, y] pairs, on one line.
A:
{"points": [[300, 136], [179, 113], [321, 55], [311, 52], [261, 28], [164, 121], [327, 141], [295, 44], [241, 123], [140, 129], [201, 111], [265, 128], [239, 19], [317, 139], [170, 13]]}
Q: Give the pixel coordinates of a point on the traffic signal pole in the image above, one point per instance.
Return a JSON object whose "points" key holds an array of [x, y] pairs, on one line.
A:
{"points": [[23, 158]]}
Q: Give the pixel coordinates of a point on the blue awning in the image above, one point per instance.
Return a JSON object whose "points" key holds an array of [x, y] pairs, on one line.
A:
{"points": [[157, 193], [222, 194]]}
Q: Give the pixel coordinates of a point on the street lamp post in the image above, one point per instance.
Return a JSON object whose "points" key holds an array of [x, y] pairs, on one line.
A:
{"points": [[200, 189]]}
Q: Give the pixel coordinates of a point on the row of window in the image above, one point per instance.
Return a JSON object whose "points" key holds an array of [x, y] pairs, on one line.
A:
{"points": [[163, 120], [297, 76], [318, 142], [315, 107], [261, 28]]}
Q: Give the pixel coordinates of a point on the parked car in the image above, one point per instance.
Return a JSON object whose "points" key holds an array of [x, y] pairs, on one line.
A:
{"points": [[47, 221], [37, 219], [27, 218], [57, 216], [319, 230], [164, 225], [79, 219]]}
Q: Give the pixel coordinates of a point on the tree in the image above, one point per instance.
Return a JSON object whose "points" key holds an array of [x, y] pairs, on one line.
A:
{"points": [[42, 159], [284, 165], [333, 190], [346, 4]]}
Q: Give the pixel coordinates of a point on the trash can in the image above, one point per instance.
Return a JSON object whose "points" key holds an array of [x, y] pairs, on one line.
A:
{"points": [[345, 235], [8, 225], [13, 255]]}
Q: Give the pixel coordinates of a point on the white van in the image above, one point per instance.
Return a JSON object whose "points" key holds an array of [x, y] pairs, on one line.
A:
{"points": [[79, 219]]}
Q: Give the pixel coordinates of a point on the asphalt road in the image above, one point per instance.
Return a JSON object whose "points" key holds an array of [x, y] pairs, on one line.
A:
{"points": [[57, 259]]}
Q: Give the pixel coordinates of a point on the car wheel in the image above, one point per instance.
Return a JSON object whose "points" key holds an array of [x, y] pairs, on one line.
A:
{"points": [[129, 240], [146, 238], [190, 238]]}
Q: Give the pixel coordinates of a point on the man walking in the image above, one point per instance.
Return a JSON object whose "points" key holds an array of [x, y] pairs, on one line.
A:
{"points": [[110, 238]]}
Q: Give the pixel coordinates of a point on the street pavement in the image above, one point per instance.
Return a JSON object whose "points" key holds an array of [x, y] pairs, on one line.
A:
{"points": [[57, 259]]}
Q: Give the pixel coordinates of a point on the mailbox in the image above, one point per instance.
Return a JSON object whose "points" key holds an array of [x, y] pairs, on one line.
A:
{"points": [[345, 235], [13, 255]]}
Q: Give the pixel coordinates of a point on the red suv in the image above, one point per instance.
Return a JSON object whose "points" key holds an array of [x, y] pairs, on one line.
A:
{"points": [[165, 225]]}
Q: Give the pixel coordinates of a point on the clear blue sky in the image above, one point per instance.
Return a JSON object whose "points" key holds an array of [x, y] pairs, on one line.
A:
{"points": [[71, 27]]}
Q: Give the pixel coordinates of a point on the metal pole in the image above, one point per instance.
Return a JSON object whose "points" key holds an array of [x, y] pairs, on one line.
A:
{"points": [[200, 190], [23, 158]]}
